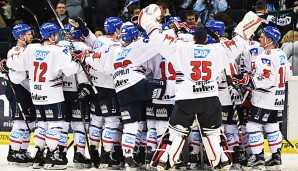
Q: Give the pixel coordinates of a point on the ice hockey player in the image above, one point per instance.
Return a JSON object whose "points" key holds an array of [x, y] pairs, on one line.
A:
{"points": [[74, 86], [268, 94], [19, 86], [45, 63], [197, 65]]}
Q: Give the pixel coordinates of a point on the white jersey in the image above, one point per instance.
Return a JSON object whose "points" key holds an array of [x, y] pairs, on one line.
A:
{"points": [[17, 77], [45, 64], [164, 70], [99, 45], [270, 87], [128, 63], [248, 56], [69, 83], [197, 66]]}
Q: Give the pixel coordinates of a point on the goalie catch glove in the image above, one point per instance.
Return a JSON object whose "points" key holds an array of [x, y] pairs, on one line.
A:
{"points": [[3, 66], [248, 25], [77, 22], [149, 18]]}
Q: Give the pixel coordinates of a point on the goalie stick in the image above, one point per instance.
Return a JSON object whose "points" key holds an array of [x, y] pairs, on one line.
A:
{"points": [[62, 27]]}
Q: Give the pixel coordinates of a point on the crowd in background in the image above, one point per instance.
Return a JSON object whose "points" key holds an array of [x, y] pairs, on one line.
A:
{"points": [[194, 12]]}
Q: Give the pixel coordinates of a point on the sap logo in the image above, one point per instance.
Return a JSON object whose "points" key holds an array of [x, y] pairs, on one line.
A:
{"points": [[104, 109], [129, 140], [201, 53], [254, 51], [53, 132], [96, 133], [16, 134], [255, 139], [40, 55], [42, 132], [82, 139], [153, 135], [266, 61], [26, 135], [123, 54], [273, 138], [196, 137], [229, 137], [282, 59], [63, 139], [109, 135], [98, 44]]}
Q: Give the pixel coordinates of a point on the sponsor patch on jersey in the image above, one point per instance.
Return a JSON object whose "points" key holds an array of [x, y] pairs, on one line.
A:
{"points": [[282, 59], [98, 45], [254, 52], [40, 54], [201, 53], [266, 61], [123, 54]]}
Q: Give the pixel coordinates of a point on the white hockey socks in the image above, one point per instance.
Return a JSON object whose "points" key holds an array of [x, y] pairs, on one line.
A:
{"points": [[53, 134], [109, 132], [95, 130], [40, 134], [256, 137], [274, 136], [130, 131]]}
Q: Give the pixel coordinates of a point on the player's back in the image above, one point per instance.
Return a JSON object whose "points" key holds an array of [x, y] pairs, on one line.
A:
{"points": [[45, 64]]}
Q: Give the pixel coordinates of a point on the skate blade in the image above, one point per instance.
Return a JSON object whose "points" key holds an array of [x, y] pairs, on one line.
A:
{"points": [[102, 166], [127, 168], [37, 166], [254, 168], [54, 167], [276, 167]]}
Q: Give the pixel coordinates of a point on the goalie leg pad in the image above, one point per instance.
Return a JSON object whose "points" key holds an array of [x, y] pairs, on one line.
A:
{"points": [[170, 146]]}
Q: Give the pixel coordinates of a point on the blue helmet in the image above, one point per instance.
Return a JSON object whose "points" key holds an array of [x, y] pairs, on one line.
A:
{"points": [[111, 24], [216, 25], [20, 29], [67, 27], [75, 33], [47, 29], [210, 39], [273, 33], [129, 32], [166, 26]]}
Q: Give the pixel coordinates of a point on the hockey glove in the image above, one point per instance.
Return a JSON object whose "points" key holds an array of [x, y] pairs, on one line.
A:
{"points": [[244, 80], [83, 92], [149, 18], [80, 24], [3, 67], [180, 27], [79, 56], [248, 25]]}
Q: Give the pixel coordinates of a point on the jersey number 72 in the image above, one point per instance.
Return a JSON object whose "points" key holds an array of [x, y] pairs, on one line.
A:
{"points": [[43, 67]]}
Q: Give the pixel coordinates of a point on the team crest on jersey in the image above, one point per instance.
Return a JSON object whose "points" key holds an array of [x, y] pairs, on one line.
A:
{"points": [[282, 59], [266, 61], [253, 52], [98, 44], [123, 54], [201, 53], [40, 54]]}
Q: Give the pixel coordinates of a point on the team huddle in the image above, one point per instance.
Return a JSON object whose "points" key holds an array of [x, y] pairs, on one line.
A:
{"points": [[134, 98]]}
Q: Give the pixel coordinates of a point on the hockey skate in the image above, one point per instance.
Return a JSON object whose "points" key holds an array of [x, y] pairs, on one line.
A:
{"points": [[236, 158], [194, 161], [274, 162], [148, 157], [80, 160], [16, 158], [117, 158], [94, 156], [255, 162], [38, 160], [27, 156], [141, 156], [55, 160], [130, 163], [105, 160]]}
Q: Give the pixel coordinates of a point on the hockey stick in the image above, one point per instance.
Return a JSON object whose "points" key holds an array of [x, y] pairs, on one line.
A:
{"points": [[18, 103], [31, 12], [62, 27], [70, 144], [290, 143]]}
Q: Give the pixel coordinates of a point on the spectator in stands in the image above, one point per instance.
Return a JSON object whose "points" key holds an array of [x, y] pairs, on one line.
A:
{"points": [[62, 13], [164, 10], [2, 22], [290, 46], [261, 7], [99, 31], [190, 17], [6, 15], [75, 8]]}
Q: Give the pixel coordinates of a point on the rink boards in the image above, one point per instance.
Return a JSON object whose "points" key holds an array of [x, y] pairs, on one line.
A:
{"points": [[286, 148]]}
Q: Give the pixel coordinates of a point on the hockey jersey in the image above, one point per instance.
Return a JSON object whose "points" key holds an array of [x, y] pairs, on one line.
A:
{"points": [[69, 83], [197, 66], [99, 45], [272, 70], [45, 64], [17, 77]]}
